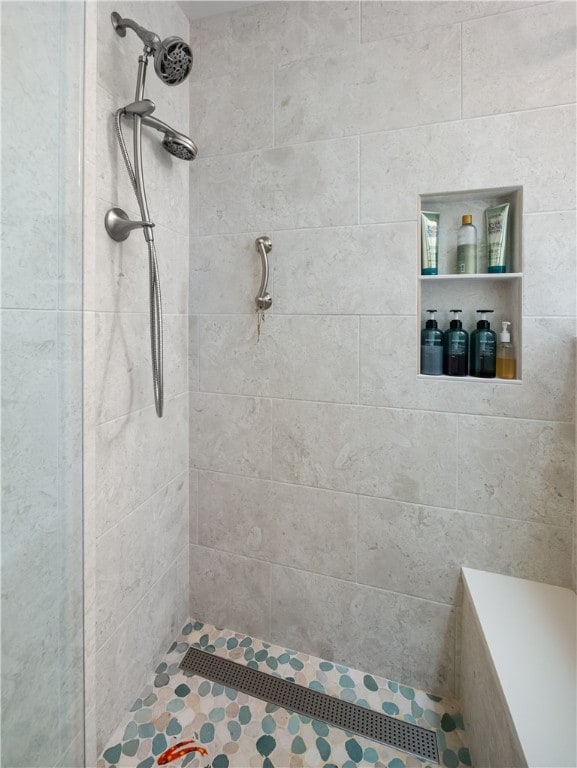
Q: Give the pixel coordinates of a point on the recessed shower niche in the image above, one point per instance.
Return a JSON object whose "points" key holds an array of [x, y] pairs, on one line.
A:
{"points": [[502, 292]]}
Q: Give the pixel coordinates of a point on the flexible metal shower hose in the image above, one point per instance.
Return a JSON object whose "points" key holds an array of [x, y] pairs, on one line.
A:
{"points": [[156, 334]]}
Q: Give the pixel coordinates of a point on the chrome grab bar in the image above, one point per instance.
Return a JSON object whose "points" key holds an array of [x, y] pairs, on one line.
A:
{"points": [[264, 247]]}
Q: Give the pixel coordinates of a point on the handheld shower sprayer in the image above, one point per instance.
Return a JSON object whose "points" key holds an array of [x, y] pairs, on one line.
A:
{"points": [[172, 64]]}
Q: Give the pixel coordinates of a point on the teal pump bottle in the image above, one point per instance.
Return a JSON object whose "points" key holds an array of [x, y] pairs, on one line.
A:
{"points": [[483, 348], [431, 347], [456, 360]]}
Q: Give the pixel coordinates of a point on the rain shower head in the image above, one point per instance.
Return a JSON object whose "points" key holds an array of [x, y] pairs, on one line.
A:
{"points": [[172, 56]]}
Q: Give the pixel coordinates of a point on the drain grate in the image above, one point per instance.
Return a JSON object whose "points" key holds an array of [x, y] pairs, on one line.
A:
{"points": [[319, 706]]}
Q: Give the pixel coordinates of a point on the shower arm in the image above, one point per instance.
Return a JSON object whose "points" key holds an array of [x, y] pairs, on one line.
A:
{"points": [[263, 299]]}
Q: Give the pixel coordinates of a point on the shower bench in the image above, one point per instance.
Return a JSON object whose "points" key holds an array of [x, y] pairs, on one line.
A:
{"points": [[518, 672]]}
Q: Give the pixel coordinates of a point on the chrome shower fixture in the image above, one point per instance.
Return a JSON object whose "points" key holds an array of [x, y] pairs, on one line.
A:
{"points": [[172, 64], [172, 56]]}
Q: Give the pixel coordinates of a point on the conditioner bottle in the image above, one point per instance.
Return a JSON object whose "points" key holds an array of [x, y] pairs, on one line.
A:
{"points": [[431, 347], [467, 246], [506, 366], [483, 348], [456, 362]]}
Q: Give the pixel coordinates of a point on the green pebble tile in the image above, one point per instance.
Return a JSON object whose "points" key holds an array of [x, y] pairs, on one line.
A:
{"points": [[182, 690], [265, 745], [390, 708], [252, 664], [136, 706], [370, 755], [198, 625], [246, 642], [450, 759], [182, 647], [216, 715], [220, 761], [354, 750], [261, 655], [464, 756], [130, 748], [323, 747], [316, 686], [284, 658], [210, 648], [231, 693], [406, 692], [341, 669], [272, 663], [161, 667], [447, 723], [363, 703], [294, 724], [326, 666], [394, 687], [271, 707], [268, 724], [112, 754], [244, 715], [433, 718], [321, 729], [173, 728], [206, 734], [146, 730], [159, 744], [416, 710], [370, 683], [148, 762], [173, 669], [217, 689], [234, 729], [187, 629], [346, 682], [298, 747], [220, 642], [161, 680], [396, 762], [434, 698], [131, 731], [204, 688], [231, 643], [249, 654], [296, 664], [203, 641], [349, 764], [348, 694], [175, 705]]}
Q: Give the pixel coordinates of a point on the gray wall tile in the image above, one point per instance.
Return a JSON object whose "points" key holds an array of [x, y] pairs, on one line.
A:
{"points": [[311, 185], [397, 166], [374, 451], [524, 61], [227, 588], [515, 468], [345, 270], [420, 550], [365, 89], [399, 637], [287, 524], [313, 358], [230, 434]]}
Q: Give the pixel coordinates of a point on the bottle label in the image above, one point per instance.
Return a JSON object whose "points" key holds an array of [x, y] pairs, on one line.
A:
{"points": [[467, 259], [457, 347], [487, 347]]}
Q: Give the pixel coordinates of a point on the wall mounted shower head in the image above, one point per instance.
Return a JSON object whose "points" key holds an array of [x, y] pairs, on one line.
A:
{"points": [[172, 56]]}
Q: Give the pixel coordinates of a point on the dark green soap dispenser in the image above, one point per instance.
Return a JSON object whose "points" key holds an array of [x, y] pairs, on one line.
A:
{"points": [[483, 348], [456, 359], [431, 347]]}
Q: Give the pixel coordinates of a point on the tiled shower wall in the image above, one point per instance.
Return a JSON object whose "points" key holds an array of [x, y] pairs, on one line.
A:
{"points": [[334, 496], [136, 464]]}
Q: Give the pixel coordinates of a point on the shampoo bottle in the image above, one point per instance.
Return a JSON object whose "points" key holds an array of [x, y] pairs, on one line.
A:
{"points": [[467, 247], [456, 361], [483, 348], [506, 367], [431, 347]]}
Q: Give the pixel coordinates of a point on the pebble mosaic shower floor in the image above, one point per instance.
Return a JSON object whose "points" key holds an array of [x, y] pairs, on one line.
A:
{"points": [[238, 731]]}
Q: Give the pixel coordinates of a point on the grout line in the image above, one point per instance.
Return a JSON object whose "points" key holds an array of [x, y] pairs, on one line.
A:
{"points": [[458, 461], [359, 366], [461, 65], [416, 504]]}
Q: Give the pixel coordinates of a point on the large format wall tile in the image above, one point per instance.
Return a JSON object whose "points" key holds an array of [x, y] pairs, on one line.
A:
{"points": [[515, 468], [124, 662], [225, 273], [387, 18], [521, 60], [312, 185], [400, 637], [345, 270], [420, 550], [287, 524], [375, 451], [231, 590], [275, 31], [123, 362], [505, 150], [230, 434], [549, 261], [309, 358], [192, 352], [135, 553], [233, 112], [365, 89], [389, 370], [136, 455]]}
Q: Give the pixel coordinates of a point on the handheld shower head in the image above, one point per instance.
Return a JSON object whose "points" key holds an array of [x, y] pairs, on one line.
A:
{"points": [[172, 56], [180, 146]]}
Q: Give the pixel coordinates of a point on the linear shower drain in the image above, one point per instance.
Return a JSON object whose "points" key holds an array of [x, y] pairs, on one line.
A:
{"points": [[319, 706]]}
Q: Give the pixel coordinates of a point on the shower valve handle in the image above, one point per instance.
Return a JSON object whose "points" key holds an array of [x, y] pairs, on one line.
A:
{"points": [[119, 226]]}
